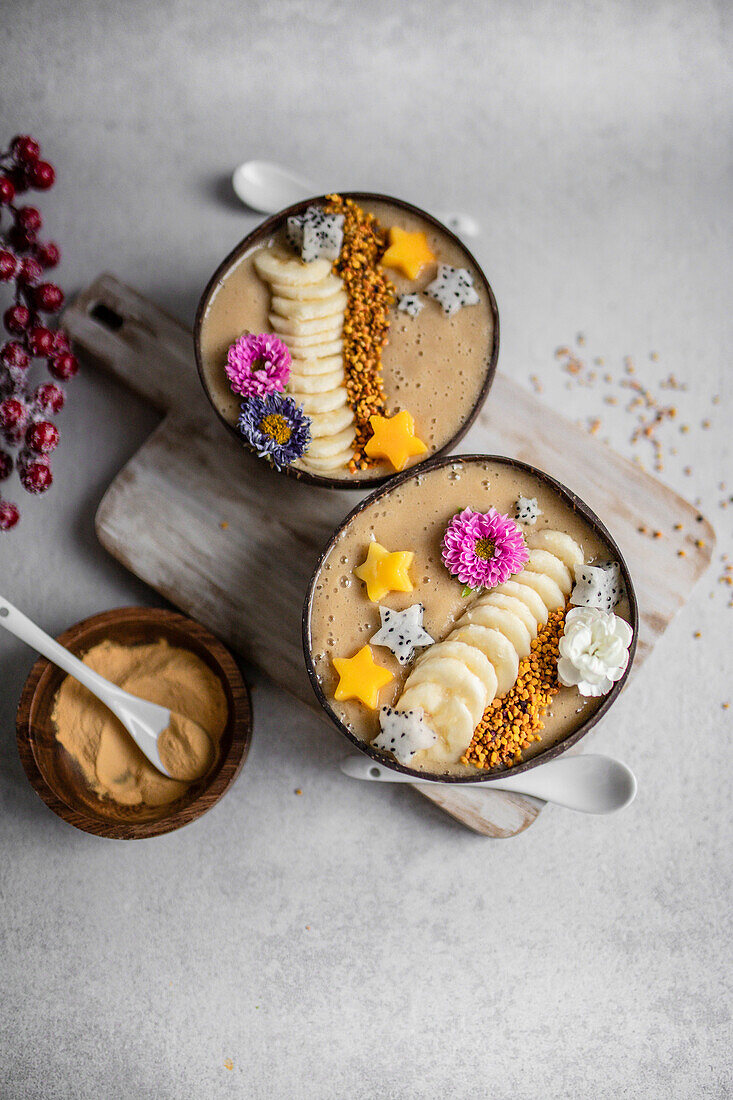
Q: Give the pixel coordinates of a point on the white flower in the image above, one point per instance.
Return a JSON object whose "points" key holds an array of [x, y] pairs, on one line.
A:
{"points": [[594, 650]]}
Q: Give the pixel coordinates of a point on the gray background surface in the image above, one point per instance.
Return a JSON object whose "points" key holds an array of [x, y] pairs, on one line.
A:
{"points": [[353, 942]]}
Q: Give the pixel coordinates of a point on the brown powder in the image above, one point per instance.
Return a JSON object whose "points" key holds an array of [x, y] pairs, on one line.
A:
{"points": [[111, 762]]}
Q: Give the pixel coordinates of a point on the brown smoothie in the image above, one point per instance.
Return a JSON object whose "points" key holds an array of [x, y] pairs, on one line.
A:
{"points": [[434, 366], [413, 516]]}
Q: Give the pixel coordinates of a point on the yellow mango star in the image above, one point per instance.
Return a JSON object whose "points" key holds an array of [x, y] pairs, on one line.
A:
{"points": [[360, 677], [384, 572], [394, 439], [407, 252]]}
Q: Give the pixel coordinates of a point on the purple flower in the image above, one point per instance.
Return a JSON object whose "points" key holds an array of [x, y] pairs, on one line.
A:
{"points": [[257, 365], [276, 428], [483, 549]]}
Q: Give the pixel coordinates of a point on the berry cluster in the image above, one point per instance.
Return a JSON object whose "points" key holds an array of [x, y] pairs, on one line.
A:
{"points": [[25, 412]]}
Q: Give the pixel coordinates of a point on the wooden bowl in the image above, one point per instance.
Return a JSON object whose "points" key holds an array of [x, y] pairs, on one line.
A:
{"points": [[265, 230], [57, 778], [552, 751]]}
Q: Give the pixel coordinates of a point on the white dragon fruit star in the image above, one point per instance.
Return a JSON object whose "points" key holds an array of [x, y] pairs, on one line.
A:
{"points": [[594, 650], [403, 733], [599, 585], [452, 288], [315, 234]]}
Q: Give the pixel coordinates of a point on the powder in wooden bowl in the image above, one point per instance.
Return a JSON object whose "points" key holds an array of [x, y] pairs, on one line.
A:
{"points": [[111, 762]]}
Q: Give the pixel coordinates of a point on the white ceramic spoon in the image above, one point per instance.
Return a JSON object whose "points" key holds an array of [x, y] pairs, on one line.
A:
{"points": [[268, 187], [591, 784], [143, 721]]}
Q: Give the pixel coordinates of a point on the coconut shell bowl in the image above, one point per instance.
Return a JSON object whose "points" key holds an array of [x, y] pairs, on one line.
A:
{"points": [[57, 778], [234, 302], [350, 625]]}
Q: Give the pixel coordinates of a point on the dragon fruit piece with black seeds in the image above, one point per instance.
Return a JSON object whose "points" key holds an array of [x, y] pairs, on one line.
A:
{"points": [[452, 288], [598, 585], [316, 234], [527, 510], [412, 304]]}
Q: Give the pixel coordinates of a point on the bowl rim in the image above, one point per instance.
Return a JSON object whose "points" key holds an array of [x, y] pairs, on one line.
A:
{"points": [[231, 765], [553, 751], [267, 226]]}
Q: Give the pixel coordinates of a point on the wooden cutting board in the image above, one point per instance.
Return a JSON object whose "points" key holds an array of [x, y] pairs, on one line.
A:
{"points": [[233, 545]]}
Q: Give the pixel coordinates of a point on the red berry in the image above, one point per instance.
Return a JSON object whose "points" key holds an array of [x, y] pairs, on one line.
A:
{"points": [[42, 437], [64, 366], [36, 476], [6, 465], [17, 318], [61, 342], [25, 149], [48, 254], [20, 239], [7, 190], [48, 297], [30, 271], [18, 179], [13, 414], [9, 515], [14, 354], [48, 398], [40, 341], [8, 265], [40, 175], [28, 217]]}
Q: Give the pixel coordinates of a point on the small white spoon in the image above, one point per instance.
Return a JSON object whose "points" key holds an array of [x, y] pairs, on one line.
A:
{"points": [[268, 187], [143, 721], [591, 784]]}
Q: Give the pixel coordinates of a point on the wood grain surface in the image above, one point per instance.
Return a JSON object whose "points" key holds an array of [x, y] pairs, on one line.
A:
{"points": [[220, 535]]}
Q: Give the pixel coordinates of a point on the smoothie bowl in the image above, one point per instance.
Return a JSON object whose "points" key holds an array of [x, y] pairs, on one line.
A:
{"points": [[467, 618], [348, 338]]}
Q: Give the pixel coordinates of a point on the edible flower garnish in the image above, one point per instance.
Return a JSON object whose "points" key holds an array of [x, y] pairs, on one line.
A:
{"points": [[276, 428], [360, 677], [257, 365], [483, 549], [594, 650]]}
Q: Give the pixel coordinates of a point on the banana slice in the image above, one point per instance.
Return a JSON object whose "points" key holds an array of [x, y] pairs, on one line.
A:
{"points": [[310, 292], [321, 350], [561, 545], [331, 325], [335, 462], [309, 367], [313, 339], [505, 622], [542, 561], [316, 383], [320, 402], [496, 647], [474, 660], [327, 424], [448, 716], [548, 590], [511, 603], [527, 595], [330, 445], [274, 266], [456, 679], [309, 310]]}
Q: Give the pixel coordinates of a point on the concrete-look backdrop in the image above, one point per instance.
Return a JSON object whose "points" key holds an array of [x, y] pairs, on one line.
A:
{"points": [[353, 941]]}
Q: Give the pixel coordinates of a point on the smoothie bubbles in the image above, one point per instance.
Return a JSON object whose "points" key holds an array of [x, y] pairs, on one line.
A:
{"points": [[389, 327]]}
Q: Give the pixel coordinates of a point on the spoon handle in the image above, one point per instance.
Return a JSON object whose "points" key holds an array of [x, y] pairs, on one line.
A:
{"points": [[15, 622]]}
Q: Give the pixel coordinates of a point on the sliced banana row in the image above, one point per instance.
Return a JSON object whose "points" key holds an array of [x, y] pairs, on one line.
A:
{"points": [[455, 680], [307, 314]]}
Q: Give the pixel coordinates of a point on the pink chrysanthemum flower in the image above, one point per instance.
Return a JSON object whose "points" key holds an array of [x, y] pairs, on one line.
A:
{"points": [[258, 365], [483, 549]]}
